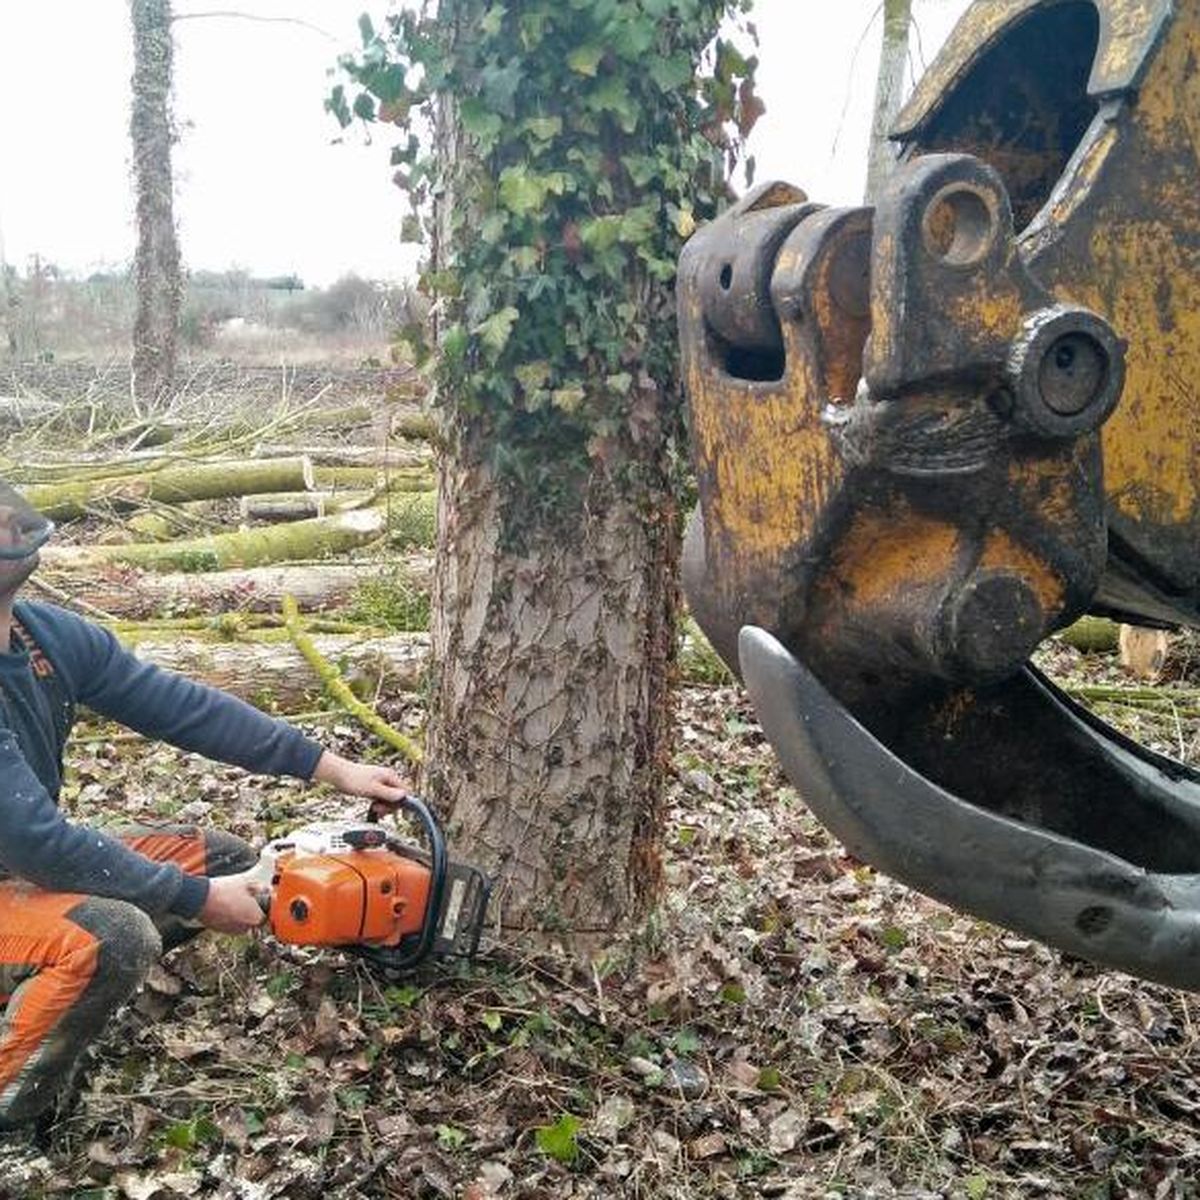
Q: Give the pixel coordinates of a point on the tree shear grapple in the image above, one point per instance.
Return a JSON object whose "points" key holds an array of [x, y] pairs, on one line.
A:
{"points": [[931, 432]]}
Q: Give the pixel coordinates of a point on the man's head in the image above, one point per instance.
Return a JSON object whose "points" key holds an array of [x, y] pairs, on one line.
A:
{"points": [[23, 532]]}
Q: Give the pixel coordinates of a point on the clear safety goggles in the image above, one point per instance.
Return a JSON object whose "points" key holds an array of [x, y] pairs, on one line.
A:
{"points": [[23, 530]]}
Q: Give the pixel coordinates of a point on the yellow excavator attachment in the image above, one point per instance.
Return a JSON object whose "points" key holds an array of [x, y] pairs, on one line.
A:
{"points": [[929, 433]]}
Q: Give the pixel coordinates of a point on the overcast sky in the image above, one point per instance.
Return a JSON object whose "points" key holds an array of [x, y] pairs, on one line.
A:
{"points": [[260, 183]]}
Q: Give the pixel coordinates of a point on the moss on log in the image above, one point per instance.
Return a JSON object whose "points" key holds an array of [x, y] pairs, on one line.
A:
{"points": [[299, 540], [128, 593]]}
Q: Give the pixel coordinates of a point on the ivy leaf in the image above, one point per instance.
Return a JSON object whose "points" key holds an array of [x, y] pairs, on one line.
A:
{"points": [[481, 122], [493, 20], [544, 128], [637, 225], [451, 1138], [601, 233], [558, 1141], [585, 60], [454, 344], [533, 376], [493, 228], [633, 37], [497, 329], [685, 223], [500, 86], [520, 191], [523, 191], [670, 73], [568, 399], [613, 96], [337, 105]]}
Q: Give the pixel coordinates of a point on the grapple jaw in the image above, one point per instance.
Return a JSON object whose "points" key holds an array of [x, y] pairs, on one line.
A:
{"points": [[917, 458], [1107, 868]]}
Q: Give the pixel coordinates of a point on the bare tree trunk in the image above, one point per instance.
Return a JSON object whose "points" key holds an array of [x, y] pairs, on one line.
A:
{"points": [[157, 269], [889, 93], [550, 721]]}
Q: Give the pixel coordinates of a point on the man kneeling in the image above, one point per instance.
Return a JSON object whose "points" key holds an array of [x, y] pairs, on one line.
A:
{"points": [[84, 913]]}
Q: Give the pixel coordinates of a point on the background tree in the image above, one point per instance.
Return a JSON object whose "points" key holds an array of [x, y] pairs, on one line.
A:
{"points": [[889, 93], [574, 153], [156, 261]]}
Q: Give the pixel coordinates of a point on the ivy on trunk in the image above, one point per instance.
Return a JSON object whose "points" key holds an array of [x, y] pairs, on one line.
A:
{"points": [[557, 153]]}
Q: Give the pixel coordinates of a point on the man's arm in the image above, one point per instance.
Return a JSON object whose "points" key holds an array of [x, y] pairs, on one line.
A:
{"points": [[39, 844], [163, 704]]}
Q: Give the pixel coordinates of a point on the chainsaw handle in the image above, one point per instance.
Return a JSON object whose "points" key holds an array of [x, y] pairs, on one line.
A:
{"points": [[416, 808]]}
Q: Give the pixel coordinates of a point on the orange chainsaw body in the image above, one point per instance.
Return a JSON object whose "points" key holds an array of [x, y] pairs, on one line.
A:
{"points": [[371, 896]]}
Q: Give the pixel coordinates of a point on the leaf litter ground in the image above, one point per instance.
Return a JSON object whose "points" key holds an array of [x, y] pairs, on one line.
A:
{"points": [[790, 1024]]}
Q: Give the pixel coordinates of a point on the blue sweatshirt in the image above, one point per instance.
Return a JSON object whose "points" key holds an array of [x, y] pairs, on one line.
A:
{"points": [[90, 667]]}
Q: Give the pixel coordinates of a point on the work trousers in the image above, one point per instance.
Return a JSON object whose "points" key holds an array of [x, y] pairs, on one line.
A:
{"points": [[68, 962]]}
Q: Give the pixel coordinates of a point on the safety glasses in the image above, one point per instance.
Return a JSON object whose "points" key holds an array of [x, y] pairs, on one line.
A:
{"points": [[23, 530]]}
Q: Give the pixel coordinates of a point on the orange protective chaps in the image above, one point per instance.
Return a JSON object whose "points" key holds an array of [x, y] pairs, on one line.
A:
{"points": [[67, 962]]}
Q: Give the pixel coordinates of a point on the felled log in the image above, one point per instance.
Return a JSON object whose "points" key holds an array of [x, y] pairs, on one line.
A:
{"points": [[131, 594], [286, 506], [1143, 651], [357, 479], [275, 675], [390, 458], [1091, 635], [70, 499], [298, 541]]}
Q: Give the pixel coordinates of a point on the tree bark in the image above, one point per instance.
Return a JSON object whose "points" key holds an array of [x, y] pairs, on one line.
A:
{"points": [[550, 721], [156, 262], [135, 595], [889, 94], [275, 674]]}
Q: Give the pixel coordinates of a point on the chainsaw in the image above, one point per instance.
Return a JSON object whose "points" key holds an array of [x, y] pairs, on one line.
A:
{"points": [[356, 886]]}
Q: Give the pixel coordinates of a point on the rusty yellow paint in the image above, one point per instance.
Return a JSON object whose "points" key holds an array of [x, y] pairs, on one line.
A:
{"points": [[987, 314], [1130, 29], [772, 461], [1075, 186], [1048, 483], [884, 556], [1001, 552], [1144, 278]]}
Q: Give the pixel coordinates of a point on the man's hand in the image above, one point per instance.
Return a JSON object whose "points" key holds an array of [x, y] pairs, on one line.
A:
{"points": [[361, 779], [232, 905]]}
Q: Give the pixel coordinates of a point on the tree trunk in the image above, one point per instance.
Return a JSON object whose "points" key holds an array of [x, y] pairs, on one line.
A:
{"points": [[156, 263], [172, 485], [889, 93], [550, 720], [275, 674]]}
